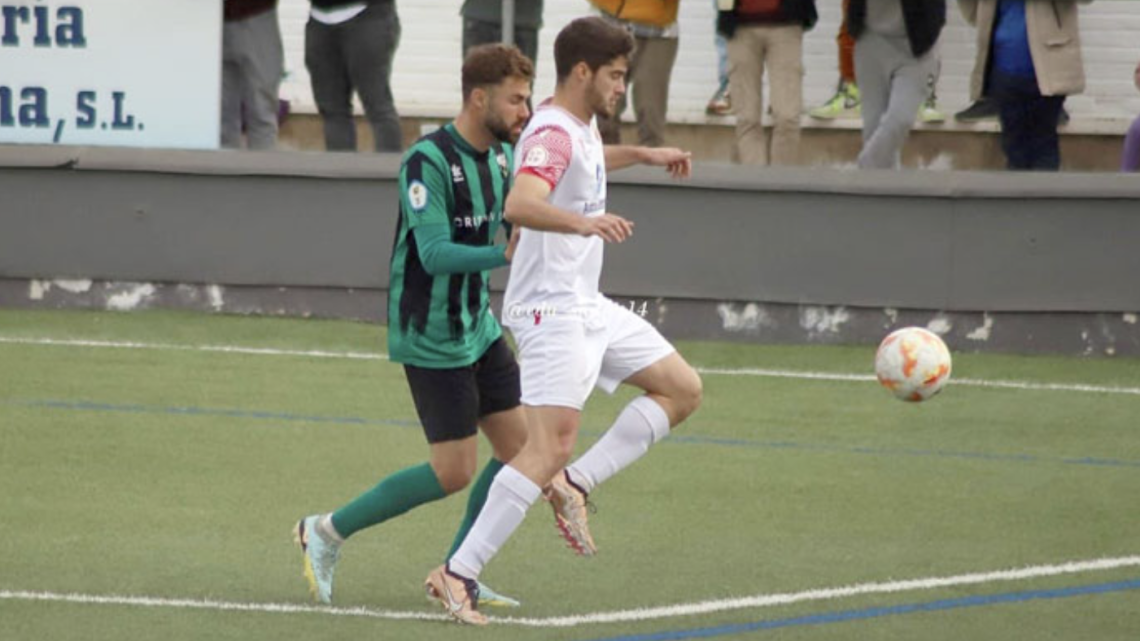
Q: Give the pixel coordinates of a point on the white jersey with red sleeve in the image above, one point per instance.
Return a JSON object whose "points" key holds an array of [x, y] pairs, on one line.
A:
{"points": [[555, 274]]}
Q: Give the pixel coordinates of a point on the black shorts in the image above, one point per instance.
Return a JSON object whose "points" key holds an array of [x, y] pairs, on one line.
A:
{"points": [[450, 402]]}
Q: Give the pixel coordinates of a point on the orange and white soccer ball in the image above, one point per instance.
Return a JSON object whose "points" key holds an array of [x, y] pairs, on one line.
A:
{"points": [[913, 363]]}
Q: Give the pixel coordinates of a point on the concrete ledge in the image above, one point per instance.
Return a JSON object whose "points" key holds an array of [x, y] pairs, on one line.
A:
{"points": [[958, 241], [1086, 145], [706, 175]]}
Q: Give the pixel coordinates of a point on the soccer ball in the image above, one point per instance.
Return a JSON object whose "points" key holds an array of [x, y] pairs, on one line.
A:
{"points": [[913, 363]]}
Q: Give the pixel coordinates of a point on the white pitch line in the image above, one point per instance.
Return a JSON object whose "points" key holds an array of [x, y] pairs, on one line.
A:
{"points": [[714, 371], [770, 600], [210, 604], [225, 349], [618, 616]]}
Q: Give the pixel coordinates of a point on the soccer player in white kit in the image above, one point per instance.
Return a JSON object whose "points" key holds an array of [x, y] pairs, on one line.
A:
{"points": [[570, 337]]}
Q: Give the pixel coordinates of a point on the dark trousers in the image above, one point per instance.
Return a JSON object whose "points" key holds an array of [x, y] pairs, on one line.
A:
{"points": [[478, 32], [1028, 122], [355, 56]]}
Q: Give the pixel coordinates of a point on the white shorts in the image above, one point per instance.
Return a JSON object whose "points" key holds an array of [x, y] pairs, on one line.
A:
{"points": [[563, 358]]}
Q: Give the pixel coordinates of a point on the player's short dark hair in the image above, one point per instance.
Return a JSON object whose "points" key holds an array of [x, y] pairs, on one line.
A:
{"points": [[488, 65], [592, 41]]}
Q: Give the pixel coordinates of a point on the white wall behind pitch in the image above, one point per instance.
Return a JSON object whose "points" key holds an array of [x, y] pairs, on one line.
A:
{"points": [[426, 72]]}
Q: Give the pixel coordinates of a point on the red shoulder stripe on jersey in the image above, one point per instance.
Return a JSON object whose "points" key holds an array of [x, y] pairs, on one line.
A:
{"points": [[539, 173]]}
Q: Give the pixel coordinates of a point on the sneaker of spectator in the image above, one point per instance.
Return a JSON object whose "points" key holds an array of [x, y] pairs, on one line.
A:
{"points": [[720, 104], [844, 104], [982, 109], [929, 113]]}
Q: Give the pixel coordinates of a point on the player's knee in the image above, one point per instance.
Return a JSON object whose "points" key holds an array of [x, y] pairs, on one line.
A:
{"points": [[510, 447], [455, 479], [689, 394], [557, 454], [560, 447], [507, 451]]}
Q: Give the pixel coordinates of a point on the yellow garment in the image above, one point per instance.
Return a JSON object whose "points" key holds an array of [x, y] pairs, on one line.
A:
{"points": [[659, 13]]}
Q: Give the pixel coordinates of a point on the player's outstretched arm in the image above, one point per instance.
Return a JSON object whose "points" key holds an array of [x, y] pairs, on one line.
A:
{"points": [[527, 207], [678, 162], [440, 255]]}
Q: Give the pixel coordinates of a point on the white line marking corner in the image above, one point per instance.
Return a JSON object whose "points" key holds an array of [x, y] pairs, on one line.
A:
{"points": [[617, 616]]}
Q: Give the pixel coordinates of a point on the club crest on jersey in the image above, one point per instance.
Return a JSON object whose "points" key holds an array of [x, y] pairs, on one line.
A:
{"points": [[417, 196], [536, 157]]}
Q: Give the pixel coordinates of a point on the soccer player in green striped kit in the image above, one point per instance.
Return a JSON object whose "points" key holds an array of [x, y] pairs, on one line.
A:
{"points": [[462, 375]]}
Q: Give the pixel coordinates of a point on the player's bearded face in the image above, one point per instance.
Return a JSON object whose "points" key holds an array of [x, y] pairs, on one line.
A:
{"points": [[507, 109], [607, 87]]}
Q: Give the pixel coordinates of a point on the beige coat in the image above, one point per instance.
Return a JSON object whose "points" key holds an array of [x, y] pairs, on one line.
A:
{"points": [[1054, 42]]}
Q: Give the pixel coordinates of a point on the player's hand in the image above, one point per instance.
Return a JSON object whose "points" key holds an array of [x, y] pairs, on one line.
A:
{"points": [[610, 227], [678, 162], [512, 243]]}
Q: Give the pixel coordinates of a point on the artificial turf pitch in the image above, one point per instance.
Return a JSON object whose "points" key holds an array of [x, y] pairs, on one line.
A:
{"points": [[143, 465]]}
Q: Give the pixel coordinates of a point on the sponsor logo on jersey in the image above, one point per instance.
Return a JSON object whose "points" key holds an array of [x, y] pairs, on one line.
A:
{"points": [[417, 196], [472, 222]]}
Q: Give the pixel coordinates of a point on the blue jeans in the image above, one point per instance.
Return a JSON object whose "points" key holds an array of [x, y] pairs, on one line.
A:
{"points": [[1028, 122], [721, 58]]}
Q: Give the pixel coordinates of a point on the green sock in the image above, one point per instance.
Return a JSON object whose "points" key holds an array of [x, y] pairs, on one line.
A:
{"points": [[475, 502], [390, 498]]}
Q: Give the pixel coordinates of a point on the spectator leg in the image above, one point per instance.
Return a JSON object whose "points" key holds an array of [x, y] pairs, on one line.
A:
{"points": [[651, 88], [370, 46], [233, 85], [846, 46], [785, 64], [332, 89], [893, 86], [746, 52], [1044, 142], [265, 64], [479, 32]]}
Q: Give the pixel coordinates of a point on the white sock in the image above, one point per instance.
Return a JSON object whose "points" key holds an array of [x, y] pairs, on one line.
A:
{"points": [[510, 496], [642, 423]]}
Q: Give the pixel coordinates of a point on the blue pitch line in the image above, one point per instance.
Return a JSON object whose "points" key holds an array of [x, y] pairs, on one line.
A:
{"points": [[844, 616], [676, 439]]}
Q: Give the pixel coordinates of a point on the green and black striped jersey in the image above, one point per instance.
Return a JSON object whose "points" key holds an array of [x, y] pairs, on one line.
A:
{"points": [[445, 321]]}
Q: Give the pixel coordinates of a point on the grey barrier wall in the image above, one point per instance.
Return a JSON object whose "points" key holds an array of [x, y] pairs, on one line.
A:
{"points": [[942, 241], [950, 241], [310, 220], [930, 240]]}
